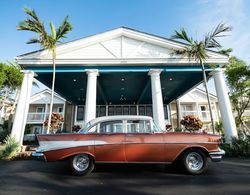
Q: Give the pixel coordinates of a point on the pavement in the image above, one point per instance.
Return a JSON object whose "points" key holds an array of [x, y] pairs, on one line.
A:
{"points": [[231, 176]]}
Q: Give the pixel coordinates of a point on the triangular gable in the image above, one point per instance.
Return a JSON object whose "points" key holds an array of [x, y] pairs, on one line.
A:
{"points": [[117, 45], [44, 96], [197, 95]]}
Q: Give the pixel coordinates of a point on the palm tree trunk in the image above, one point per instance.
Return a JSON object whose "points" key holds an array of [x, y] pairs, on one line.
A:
{"points": [[52, 89], [208, 99]]}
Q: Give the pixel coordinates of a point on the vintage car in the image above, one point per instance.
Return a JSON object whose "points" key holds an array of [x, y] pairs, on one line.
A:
{"points": [[129, 139]]}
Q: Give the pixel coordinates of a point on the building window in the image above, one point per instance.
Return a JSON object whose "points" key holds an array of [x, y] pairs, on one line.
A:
{"points": [[118, 110], [125, 110], [187, 107], [102, 111], [142, 110], [149, 111], [80, 113], [59, 109], [111, 110], [133, 110], [39, 109]]}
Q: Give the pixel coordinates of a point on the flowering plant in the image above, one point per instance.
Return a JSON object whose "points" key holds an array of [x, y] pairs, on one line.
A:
{"points": [[56, 122], [76, 128], [191, 123]]}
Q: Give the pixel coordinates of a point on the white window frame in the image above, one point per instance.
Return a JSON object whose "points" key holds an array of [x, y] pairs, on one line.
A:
{"points": [[41, 108]]}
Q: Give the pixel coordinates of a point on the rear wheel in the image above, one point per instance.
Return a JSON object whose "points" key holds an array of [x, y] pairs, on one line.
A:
{"points": [[81, 164], [195, 161]]}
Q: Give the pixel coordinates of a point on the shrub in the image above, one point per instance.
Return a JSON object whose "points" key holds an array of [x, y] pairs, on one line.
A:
{"points": [[4, 131], [238, 148], [10, 148]]}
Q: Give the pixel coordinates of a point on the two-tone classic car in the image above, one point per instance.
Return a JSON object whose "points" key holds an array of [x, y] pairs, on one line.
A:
{"points": [[129, 139]]}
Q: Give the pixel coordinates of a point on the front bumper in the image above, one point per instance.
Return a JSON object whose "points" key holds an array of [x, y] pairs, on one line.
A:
{"points": [[39, 154], [217, 156]]}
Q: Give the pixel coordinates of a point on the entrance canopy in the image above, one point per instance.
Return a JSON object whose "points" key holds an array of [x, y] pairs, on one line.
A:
{"points": [[123, 57]]}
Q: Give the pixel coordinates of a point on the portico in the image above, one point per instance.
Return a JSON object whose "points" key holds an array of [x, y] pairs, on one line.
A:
{"points": [[118, 68]]}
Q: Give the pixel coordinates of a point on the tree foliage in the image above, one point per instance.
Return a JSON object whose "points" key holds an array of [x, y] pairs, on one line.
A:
{"points": [[10, 78], [45, 39], [238, 78]]}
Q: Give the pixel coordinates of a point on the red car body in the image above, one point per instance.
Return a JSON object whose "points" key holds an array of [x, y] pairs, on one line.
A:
{"points": [[125, 146]]}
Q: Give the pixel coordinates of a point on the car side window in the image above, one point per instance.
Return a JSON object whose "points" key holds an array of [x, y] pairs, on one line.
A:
{"points": [[138, 126], [111, 127]]}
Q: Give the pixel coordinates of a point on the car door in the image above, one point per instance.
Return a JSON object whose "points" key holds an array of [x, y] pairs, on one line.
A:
{"points": [[142, 144], [109, 142]]}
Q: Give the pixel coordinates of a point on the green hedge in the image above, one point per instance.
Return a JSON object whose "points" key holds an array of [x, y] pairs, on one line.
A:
{"points": [[238, 148]]}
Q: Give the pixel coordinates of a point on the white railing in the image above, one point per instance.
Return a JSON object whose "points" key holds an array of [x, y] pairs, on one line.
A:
{"points": [[38, 117], [203, 115]]}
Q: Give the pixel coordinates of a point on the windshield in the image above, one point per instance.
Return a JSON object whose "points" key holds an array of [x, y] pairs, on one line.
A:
{"points": [[85, 129], [157, 129]]}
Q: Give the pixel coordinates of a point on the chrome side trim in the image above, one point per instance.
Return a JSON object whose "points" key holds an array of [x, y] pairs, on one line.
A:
{"points": [[58, 145], [217, 155]]}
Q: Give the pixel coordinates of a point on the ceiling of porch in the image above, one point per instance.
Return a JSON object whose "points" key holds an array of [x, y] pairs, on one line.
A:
{"points": [[121, 87]]}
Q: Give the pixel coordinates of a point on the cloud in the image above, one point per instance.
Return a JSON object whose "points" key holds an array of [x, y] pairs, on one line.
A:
{"points": [[231, 12]]}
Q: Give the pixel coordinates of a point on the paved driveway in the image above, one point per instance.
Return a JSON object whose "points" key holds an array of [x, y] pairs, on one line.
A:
{"points": [[231, 176]]}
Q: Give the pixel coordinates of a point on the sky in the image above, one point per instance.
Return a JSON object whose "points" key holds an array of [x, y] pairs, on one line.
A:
{"points": [[160, 17]]}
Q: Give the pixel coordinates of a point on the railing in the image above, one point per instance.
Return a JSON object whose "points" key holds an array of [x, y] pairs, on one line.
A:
{"points": [[38, 117]]}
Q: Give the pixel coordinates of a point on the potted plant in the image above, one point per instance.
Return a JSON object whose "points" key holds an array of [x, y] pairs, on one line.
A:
{"points": [[56, 122], [191, 123]]}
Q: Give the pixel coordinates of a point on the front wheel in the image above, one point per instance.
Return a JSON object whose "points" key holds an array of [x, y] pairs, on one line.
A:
{"points": [[81, 164], [195, 161]]}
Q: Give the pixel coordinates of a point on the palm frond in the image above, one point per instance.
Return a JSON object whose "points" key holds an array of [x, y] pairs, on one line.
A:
{"points": [[182, 35], [33, 40], [210, 38], [226, 51], [53, 30], [32, 23], [63, 29]]}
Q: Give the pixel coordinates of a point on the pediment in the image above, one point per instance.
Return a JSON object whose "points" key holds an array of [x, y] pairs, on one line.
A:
{"points": [[118, 44], [120, 47]]}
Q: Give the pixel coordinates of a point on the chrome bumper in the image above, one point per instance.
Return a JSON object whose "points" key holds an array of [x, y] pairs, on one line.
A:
{"points": [[37, 154], [217, 156]]}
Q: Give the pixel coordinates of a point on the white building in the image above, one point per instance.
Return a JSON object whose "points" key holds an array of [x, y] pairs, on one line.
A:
{"points": [[39, 109], [121, 70], [195, 103]]}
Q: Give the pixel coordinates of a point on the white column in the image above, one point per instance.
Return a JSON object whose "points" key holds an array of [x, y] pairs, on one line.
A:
{"points": [[22, 107], [158, 112], [224, 105], [90, 104]]}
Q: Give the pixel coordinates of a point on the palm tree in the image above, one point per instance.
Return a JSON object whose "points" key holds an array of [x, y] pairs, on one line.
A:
{"points": [[197, 50], [46, 40]]}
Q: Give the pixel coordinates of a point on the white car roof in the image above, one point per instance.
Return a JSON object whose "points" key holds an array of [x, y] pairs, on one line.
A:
{"points": [[119, 117]]}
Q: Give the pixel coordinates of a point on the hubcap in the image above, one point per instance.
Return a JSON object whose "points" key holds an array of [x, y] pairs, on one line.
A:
{"points": [[81, 162], [194, 161]]}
